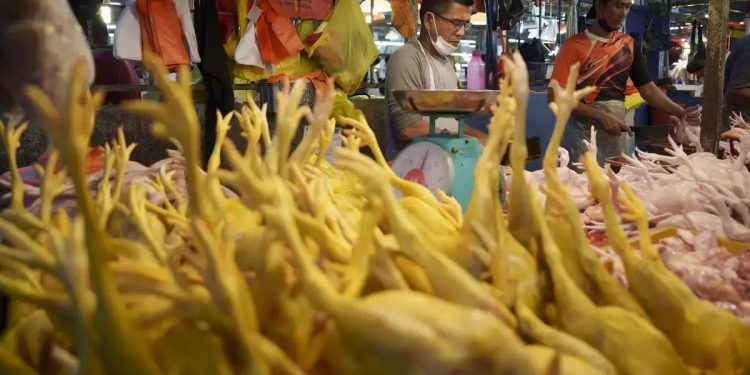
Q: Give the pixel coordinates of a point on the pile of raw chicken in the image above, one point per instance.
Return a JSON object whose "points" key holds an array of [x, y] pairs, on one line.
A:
{"points": [[305, 268], [704, 196]]}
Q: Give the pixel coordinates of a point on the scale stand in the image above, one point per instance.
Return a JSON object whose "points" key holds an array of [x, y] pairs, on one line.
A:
{"points": [[443, 161], [460, 118]]}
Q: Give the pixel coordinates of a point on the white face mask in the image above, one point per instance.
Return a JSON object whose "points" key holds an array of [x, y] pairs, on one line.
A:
{"points": [[441, 45]]}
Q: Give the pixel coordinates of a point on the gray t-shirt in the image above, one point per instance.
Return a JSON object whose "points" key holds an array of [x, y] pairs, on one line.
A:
{"points": [[407, 70]]}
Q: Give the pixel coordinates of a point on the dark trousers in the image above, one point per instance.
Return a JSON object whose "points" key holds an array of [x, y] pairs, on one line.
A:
{"points": [[3, 313]]}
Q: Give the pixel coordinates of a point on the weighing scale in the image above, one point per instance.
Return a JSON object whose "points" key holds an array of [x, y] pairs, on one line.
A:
{"points": [[443, 161]]}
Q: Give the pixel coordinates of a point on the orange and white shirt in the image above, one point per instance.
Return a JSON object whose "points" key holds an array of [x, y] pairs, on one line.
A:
{"points": [[606, 64]]}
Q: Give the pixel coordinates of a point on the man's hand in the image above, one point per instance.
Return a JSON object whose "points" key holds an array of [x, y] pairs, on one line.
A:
{"points": [[692, 115], [612, 125]]}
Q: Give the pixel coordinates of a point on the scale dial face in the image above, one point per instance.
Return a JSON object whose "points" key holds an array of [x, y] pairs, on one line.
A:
{"points": [[427, 164]]}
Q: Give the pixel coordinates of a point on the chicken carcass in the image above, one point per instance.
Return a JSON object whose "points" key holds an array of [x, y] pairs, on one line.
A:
{"points": [[698, 221], [577, 182], [712, 272]]}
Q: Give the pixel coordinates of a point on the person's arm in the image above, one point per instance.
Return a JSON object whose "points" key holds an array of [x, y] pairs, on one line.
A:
{"points": [[658, 99], [566, 57], [647, 88], [415, 129], [403, 72], [610, 124]]}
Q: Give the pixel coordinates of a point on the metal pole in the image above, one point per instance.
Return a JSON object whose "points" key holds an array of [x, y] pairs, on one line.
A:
{"points": [[372, 32], [540, 19], [713, 84], [490, 65], [558, 37]]}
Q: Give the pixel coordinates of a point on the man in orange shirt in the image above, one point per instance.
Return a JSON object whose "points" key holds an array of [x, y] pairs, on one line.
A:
{"points": [[607, 59]]}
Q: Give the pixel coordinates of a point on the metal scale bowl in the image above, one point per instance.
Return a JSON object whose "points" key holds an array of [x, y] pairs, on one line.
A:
{"points": [[443, 161]]}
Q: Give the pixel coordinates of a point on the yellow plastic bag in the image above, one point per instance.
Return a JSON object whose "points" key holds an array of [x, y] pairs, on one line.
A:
{"points": [[346, 47], [634, 101]]}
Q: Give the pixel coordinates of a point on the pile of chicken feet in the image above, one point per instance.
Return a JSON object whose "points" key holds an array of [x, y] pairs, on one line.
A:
{"points": [[282, 279]]}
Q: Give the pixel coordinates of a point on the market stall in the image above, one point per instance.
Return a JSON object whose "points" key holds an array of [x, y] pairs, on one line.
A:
{"points": [[279, 246]]}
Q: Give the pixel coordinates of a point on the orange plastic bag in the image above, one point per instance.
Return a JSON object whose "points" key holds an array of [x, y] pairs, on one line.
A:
{"points": [[402, 17], [346, 47], [276, 34], [161, 31]]}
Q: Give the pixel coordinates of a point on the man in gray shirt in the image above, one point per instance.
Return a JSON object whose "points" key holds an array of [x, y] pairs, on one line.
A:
{"points": [[424, 64]]}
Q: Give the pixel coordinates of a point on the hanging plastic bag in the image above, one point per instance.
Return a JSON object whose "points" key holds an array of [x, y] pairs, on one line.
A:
{"points": [[246, 73], [401, 11], [697, 57], [277, 36], [161, 31], [248, 52], [346, 47], [297, 65], [127, 44], [188, 29], [508, 13], [533, 51]]}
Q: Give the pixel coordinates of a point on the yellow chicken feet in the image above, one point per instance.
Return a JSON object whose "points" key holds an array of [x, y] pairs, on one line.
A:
{"points": [[448, 279], [696, 328], [69, 132], [610, 329], [541, 333]]}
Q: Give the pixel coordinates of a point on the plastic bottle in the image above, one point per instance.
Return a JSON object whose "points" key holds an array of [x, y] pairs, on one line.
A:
{"points": [[475, 75]]}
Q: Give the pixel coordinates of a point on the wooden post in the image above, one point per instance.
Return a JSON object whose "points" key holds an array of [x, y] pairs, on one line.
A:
{"points": [[713, 84]]}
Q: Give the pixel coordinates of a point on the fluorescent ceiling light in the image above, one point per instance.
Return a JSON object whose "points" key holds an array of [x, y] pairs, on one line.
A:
{"points": [[106, 13]]}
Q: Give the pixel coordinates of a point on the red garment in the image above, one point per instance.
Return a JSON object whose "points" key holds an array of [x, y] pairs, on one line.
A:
{"points": [[161, 31], [227, 11], [277, 36]]}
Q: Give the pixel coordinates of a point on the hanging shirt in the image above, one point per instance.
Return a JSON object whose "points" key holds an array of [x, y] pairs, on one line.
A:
{"points": [[127, 44], [605, 64], [161, 31], [188, 29]]}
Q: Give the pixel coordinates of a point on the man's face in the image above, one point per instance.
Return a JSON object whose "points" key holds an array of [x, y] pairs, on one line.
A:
{"points": [[611, 16], [451, 24]]}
